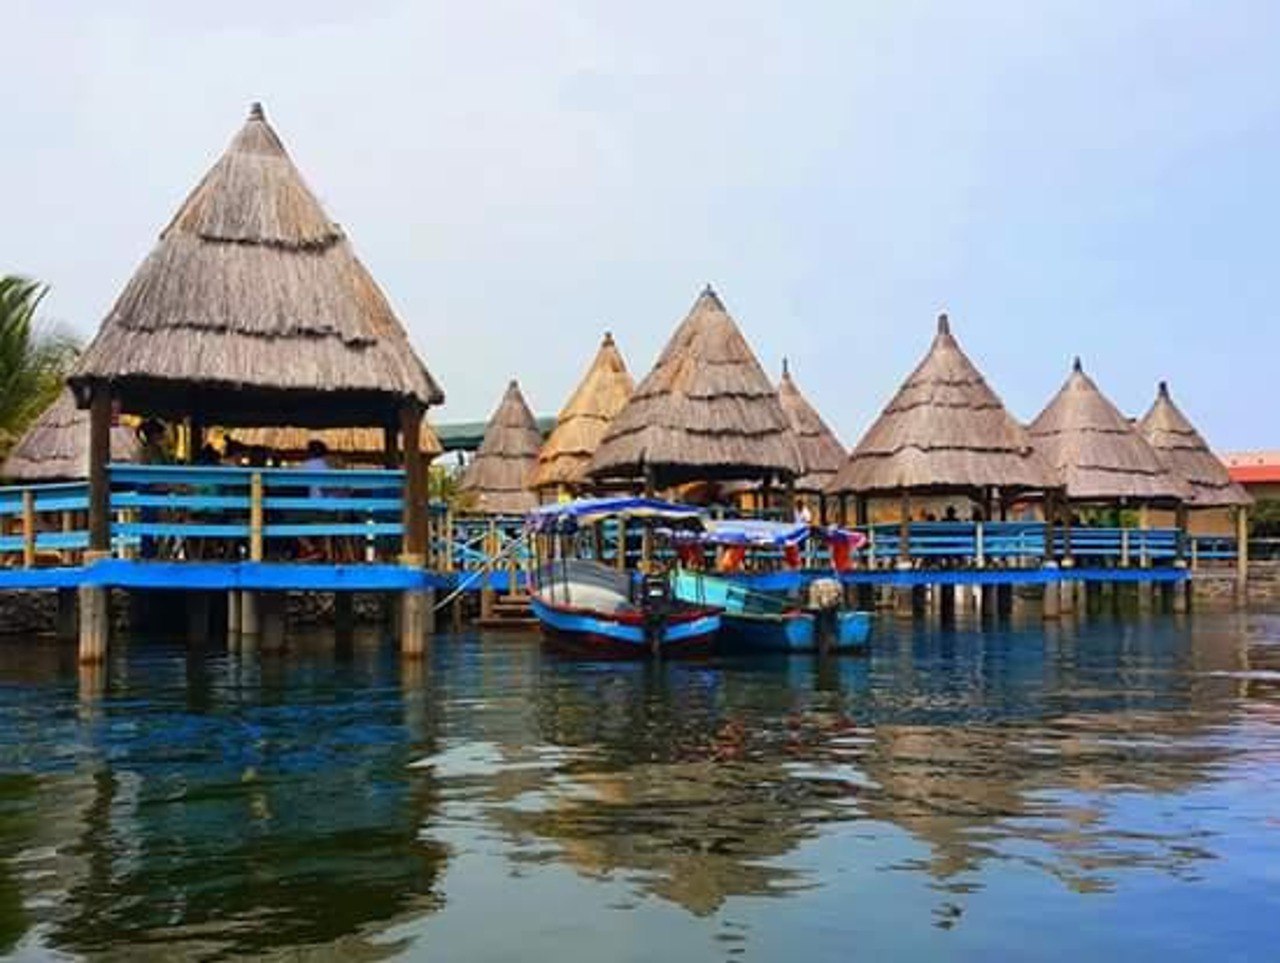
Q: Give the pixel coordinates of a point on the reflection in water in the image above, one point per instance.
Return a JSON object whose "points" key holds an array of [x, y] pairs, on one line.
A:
{"points": [[227, 804]]}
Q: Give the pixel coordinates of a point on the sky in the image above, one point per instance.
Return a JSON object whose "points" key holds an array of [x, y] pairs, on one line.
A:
{"points": [[1064, 178]]}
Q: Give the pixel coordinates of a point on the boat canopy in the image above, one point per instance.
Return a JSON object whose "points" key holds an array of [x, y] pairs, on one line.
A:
{"points": [[746, 531], [588, 511]]}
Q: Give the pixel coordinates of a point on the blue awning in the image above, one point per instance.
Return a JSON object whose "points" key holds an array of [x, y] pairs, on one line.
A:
{"points": [[588, 511]]}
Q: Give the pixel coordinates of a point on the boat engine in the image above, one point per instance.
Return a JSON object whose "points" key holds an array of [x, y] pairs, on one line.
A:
{"points": [[655, 602], [825, 598]]}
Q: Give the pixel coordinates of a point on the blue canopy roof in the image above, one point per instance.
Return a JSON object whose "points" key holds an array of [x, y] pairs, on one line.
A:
{"points": [[587, 511], [744, 531]]}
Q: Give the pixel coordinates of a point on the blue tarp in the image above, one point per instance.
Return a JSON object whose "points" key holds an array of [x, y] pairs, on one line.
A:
{"points": [[587, 511]]}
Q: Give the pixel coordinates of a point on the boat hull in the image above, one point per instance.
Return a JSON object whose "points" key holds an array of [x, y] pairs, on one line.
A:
{"points": [[792, 632], [584, 632]]}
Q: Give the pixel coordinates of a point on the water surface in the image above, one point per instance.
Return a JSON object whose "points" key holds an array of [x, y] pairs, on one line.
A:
{"points": [[1091, 791]]}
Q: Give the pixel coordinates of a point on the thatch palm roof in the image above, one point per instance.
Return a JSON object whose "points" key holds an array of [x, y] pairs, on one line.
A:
{"points": [[821, 453], [253, 309], [582, 423], [945, 430], [363, 446], [56, 445], [1188, 456], [1096, 450], [498, 476], [707, 411]]}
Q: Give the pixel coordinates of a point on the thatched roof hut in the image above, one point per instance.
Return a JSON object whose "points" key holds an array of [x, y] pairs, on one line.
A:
{"points": [[821, 453], [1188, 456], [56, 445], [498, 476], [253, 309], [582, 423], [1098, 453], [707, 411], [944, 431], [355, 446]]}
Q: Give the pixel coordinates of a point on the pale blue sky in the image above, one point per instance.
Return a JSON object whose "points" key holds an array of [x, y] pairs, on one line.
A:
{"points": [[1067, 177]]}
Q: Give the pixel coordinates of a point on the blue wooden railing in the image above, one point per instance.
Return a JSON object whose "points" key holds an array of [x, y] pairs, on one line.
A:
{"points": [[181, 511]]}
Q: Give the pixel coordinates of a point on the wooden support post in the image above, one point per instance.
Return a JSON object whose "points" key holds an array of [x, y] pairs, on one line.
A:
{"points": [[250, 616], [947, 603], [980, 545], [1144, 524], [198, 608], [1004, 601], [94, 600], [99, 482], [28, 529], [415, 609], [1180, 523], [256, 518], [1242, 555], [390, 446], [234, 620], [95, 623], [1052, 593], [449, 536], [621, 560]]}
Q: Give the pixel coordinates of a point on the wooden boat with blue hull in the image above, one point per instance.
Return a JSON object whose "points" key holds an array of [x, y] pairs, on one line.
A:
{"points": [[764, 622], [600, 611], [760, 622]]}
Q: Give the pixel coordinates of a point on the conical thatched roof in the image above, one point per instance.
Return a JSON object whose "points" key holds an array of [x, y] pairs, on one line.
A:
{"points": [[1188, 455], [498, 476], [706, 411], [582, 423], [945, 429], [252, 309], [821, 453], [1097, 452], [56, 446], [364, 446]]}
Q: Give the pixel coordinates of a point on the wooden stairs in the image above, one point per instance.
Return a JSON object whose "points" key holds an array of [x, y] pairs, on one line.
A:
{"points": [[509, 612]]}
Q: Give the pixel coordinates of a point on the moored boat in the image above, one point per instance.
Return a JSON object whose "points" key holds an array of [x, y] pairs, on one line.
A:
{"points": [[601, 611], [755, 621]]}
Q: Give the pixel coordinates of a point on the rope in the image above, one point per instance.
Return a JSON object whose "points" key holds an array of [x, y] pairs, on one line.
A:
{"points": [[489, 563]]}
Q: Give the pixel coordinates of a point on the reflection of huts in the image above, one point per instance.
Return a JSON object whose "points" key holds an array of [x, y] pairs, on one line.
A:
{"points": [[56, 445], [1212, 497], [706, 412], [945, 433], [583, 421], [1098, 453], [497, 480]]}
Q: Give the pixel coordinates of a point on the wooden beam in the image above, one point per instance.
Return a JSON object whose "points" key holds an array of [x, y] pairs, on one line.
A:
{"points": [[256, 518], [28, 529], [99, 481], [414, 539]]}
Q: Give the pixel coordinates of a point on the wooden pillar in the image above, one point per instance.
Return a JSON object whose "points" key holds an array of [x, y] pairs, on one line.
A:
{"points": [[1052, 593], [195, 438], [415, 604], [488, 596], [272, 612], [95, 604], [235, 621], [1144, 524], [1242, 555]]}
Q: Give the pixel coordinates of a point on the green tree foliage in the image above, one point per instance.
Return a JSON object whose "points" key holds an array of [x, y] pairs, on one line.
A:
{"points": [[34, 357]]}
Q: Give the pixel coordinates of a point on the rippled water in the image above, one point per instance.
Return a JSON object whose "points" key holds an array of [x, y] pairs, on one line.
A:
{"points": [[1076, 793]]}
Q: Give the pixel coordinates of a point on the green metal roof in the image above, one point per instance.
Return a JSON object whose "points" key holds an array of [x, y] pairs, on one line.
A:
{"points": [[467, 435]]}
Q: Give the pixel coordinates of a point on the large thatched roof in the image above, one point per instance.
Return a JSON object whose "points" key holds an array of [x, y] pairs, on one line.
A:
{"points": [[1188, 455], [945, 430], [362, 446], [56, 446], [582, 423], [252, 309], [821, 453], [498, 476], [1098, 453], [707, 411]]}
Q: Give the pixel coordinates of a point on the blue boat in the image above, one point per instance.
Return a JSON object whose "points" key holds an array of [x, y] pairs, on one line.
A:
{"points": [[760, 622], [598, 611]]}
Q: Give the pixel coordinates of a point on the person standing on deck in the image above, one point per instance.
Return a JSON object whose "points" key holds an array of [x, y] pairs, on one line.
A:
{"points": [[317, 460], [804, 515]]}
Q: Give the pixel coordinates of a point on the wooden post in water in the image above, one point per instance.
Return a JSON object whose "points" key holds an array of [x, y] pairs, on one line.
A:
{"points": [[904, 597], [344, 618], [1242, 555], [414, 612], [64, 625], [487, 594], [95, 615]]}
